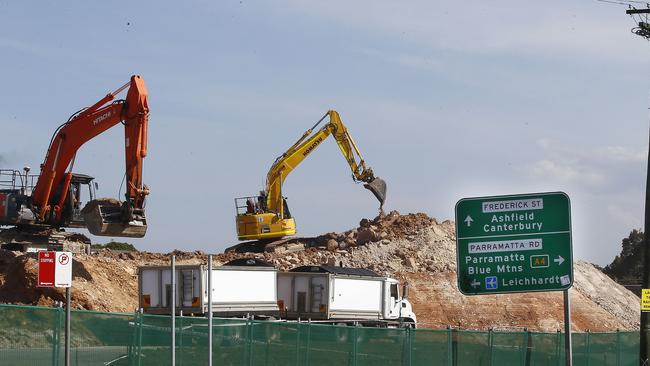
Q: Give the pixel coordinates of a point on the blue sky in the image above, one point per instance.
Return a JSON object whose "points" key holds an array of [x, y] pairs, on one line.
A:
{"points": [[445, 99]]}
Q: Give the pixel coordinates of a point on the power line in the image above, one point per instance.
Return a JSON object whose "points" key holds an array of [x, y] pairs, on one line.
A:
{"points": [[624, 2]]}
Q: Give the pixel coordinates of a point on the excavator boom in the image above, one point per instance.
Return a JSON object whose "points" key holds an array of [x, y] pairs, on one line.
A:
{"points": [[103, 217]]}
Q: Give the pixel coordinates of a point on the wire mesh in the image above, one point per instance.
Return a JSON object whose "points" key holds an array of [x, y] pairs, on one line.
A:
{"points": [[34, 336]]}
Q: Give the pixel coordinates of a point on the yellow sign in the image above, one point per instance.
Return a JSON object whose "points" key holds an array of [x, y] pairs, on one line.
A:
{"points": [[645, 299]]}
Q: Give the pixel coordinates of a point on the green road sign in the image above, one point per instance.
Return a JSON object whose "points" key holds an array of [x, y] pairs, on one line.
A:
{"points": [[518, 243]]}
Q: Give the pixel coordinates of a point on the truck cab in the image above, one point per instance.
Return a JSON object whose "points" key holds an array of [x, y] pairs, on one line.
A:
{"points": [[396, 304]]}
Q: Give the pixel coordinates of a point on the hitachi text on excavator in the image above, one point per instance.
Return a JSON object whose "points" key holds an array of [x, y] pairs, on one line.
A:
{"points": [[54, 201], [266, 216]]}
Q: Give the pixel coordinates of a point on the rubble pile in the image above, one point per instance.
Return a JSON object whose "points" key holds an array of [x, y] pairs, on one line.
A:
{"points": [[413, 248]]}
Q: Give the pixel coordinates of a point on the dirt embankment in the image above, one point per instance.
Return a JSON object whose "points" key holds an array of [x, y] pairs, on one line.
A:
{"points": [[413, 248]]}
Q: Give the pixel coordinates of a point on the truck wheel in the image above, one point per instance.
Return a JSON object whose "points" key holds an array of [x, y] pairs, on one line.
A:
{"points": [[407, 323]]}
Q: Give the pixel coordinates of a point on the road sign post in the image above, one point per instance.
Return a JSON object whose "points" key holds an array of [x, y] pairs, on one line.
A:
{"points": [[519, 243], [568, 345], [55, 270]]}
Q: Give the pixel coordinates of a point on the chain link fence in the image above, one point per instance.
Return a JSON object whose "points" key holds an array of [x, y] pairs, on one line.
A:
{"points": [[35, 336]]}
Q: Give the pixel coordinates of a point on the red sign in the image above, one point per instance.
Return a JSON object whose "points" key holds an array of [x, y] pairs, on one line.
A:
{"points": [[4, 202], [46, 267]]}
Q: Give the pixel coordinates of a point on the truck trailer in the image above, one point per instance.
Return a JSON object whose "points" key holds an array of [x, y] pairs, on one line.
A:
{"points": [[343, 295], [250, 287], [239, 288]]}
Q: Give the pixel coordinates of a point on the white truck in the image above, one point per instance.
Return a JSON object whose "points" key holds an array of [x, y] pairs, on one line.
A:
{"points": [[238, 289], [249, 287], [343, 295]]}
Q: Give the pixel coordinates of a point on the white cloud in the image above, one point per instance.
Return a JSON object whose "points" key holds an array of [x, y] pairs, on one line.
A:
{"points": [[546, 168], [603, 168], [557, 29], [619, 153]]}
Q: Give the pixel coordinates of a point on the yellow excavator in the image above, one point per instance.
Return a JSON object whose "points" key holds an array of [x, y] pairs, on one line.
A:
{"points": [[267, 216]]}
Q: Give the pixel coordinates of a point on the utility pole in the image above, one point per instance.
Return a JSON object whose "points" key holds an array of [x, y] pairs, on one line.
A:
{"points": [[643, 30], [644, 330]]}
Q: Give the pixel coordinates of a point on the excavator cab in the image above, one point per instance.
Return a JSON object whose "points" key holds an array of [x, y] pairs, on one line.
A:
{"points": [[81, 186], [255, 222]]}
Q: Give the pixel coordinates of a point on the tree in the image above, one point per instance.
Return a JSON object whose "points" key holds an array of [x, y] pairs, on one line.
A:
{"points": [[627, 267], [116, 245]]}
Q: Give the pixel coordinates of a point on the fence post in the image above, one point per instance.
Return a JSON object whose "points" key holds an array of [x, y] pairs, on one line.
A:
{"points": [[56, 333], [490, 346], [450, 361], [409, 334], [141, 321], [529, 347], [354, 345], [618, 347], [298, 343], [180, 338], [557, 347], [249, 327], [587, 351], [454, 345], [308, 342], [522, 352], [132, 348]]}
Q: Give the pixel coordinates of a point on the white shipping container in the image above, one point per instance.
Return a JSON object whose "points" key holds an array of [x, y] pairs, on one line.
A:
{"points": [[236, 290]]}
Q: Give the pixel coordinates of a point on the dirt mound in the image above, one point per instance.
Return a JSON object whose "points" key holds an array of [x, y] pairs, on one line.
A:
{"points": [[413, 247]]}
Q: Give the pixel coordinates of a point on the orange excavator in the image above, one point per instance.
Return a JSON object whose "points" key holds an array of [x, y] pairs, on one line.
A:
{"points": [[54, 201]]}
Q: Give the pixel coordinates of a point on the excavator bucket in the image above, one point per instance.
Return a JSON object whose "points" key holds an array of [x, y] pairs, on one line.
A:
{"points": [[106, 217], [378, 188]]}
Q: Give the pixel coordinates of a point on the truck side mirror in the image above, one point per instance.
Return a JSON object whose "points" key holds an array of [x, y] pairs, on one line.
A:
{"points": [[96, 185], [405, 290]]}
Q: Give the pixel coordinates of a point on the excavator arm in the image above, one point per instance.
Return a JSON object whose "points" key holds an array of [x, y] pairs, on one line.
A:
{"points": [[50, 191], [309, 141]]}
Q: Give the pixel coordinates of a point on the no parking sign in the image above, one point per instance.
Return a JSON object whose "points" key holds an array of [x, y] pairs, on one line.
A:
{"points": [[54, 269]]}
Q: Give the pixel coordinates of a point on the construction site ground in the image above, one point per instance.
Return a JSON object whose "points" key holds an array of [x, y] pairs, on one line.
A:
{"points": [[413, 248]]}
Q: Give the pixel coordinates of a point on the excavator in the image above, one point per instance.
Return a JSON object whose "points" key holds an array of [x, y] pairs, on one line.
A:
{"points": [[266, 217], [54, 201]]}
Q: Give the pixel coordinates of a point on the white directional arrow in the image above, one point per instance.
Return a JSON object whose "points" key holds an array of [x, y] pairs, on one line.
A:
{"points": [[559, 260], [475, 283], [468, 220]]}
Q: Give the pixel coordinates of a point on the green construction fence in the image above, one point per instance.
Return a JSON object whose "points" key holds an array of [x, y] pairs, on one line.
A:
{"points": [[35, 336]]}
